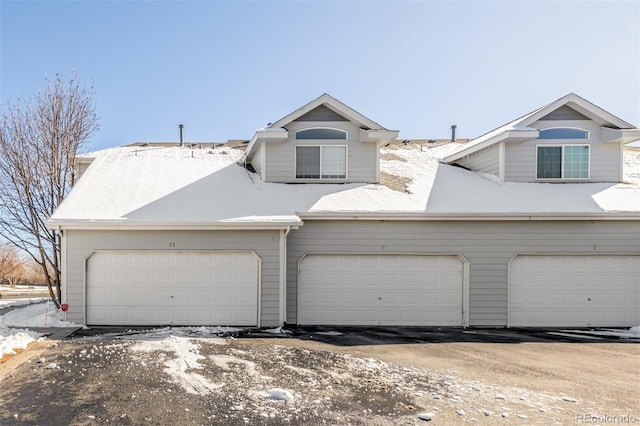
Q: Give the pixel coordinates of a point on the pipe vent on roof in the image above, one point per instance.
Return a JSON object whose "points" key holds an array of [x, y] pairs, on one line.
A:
{"points": [[453, 132], [181, 126]]}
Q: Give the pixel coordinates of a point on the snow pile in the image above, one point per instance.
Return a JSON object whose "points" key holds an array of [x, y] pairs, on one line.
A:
{"points": [[32, 315], [12, 340]]}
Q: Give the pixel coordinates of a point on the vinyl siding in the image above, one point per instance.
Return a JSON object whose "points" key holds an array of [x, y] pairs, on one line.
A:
{"points": [[361, 157], [257, 161], [486, 160], [488, 245], [81, 244], [604, 158]]}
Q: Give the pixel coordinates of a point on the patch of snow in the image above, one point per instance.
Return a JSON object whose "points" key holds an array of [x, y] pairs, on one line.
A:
{"points": [[278, 394], [179, 368], [277, 330], [329, 333], [426, 416], [36, 315], [22, 302], [12, 340]]}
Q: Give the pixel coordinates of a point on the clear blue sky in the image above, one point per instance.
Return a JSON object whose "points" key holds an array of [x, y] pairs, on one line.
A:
{"points": [[225, 69]]}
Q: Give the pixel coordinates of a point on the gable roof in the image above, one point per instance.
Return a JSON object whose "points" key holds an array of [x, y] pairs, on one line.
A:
{"points": [[519, 128], [328, 101], [277, 131]]}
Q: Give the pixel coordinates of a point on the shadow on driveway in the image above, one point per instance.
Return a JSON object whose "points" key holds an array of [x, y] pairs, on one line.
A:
{"points": [[366, 335]]}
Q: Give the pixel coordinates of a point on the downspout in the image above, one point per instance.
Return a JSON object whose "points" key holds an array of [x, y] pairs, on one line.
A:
{"points": [[283, 274]]}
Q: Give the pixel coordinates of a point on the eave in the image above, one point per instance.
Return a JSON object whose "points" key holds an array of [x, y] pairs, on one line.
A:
{"points": [[620, 135], [107, 225], [513, 135], [413, 216]]}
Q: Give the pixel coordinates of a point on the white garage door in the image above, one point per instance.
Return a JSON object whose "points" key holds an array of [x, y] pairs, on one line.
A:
{"points": [[172, 288], [574, 291], [380, 290]]}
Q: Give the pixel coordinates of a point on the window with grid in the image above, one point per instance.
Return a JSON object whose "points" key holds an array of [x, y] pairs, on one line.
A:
{"points": [[563, 162], [321, 162]]}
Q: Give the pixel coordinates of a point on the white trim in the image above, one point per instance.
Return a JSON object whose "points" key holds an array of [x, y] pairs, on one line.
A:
{"points": [[115, 225], [562, 146], [346, 133], [321, 179], [347, 216], [263, 161], [501, 161], [512, 258], [252, 252], [588, 132], [463, 260], [282, 310]]}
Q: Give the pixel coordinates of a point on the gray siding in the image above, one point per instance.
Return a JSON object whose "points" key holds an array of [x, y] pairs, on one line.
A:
{"points": [[488, 245], [321, 113], [565, 113], [81, 244], [605, 164], [257, 161], [485, 161], [361, 157]]}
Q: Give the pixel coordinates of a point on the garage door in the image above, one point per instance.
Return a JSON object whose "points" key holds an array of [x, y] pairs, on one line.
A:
{"points": [[178, 288], [380, 290], [574, 291]]}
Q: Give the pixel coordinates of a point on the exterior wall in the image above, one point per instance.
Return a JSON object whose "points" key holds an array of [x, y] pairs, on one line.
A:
{"points": [[486, 160], [79, 245], [361, 157], [258, 160], [604, 158], [488, 245]]}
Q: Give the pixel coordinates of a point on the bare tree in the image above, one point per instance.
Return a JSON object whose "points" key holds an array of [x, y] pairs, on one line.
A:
{"points": [[39, 139], [11, 268]]}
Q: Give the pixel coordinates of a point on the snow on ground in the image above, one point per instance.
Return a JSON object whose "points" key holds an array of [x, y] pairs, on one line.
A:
{"points": [[14, 325]]}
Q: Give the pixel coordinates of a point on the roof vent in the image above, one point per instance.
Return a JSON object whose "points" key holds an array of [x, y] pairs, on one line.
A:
{"points": [[181, 126], [453, 132]]}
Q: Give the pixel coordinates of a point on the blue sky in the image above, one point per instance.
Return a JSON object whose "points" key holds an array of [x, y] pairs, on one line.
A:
{"points": [[225, 69]]}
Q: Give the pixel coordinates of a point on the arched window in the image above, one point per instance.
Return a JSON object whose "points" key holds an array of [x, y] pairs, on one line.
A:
{"points": [[563, 133], [321, 133]]}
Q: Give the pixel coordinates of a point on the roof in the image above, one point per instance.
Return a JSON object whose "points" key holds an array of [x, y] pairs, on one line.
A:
{"points": [[171, 187], [519, 128], [278, 131]]}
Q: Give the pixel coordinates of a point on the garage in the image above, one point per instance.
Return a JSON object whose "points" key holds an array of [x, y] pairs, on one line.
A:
{"points": [[574, 291], [367, 289], [172, 288]]}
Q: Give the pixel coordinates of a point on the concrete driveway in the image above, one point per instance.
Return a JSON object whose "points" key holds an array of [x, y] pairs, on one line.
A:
{"points": [[319, 375]]}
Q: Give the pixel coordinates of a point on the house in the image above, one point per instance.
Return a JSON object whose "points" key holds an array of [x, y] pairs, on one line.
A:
{"points": [[532, 224]]}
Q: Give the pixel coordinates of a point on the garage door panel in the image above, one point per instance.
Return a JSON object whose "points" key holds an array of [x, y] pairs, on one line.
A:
{"points": [[555, 290], [380, 290], [171, 288]]}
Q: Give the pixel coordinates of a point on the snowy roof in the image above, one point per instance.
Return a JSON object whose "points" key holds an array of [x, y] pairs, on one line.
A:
{"points": [[519, 128], [170, 186]]}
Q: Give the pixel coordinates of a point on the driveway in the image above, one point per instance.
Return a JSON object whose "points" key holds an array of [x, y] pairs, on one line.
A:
{"points": [[317, 376]]}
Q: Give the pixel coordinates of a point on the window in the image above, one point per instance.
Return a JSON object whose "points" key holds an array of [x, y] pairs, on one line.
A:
{"points": [[563, 162], [321, 133], [563, 133], [321, 162]]}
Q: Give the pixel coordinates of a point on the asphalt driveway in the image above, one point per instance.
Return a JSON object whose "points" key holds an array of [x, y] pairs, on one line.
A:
{"points": [[317, 376]]}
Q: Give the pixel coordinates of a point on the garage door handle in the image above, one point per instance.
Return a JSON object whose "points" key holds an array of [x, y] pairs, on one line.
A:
{"points": [[379, 298]]}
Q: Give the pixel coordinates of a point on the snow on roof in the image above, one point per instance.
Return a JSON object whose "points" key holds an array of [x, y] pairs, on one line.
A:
{"points": [[172, 185]]}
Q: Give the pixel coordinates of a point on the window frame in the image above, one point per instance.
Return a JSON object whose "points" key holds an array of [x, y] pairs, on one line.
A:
{"points": [[587, 134], [321, 146], [345, 132], [562, 161]]}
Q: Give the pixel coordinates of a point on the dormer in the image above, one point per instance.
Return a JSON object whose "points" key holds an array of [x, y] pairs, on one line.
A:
{"points": [[568, 140], [325, 141]]}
